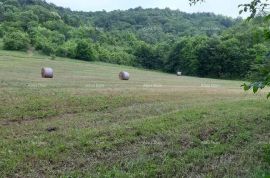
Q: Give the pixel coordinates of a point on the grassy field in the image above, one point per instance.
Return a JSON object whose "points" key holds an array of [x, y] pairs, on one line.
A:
{"points": [[86, 122]]}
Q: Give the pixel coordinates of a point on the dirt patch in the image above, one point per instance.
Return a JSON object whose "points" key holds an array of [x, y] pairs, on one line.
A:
{"points": [[206, 133], [52, 129], [186, 141]]}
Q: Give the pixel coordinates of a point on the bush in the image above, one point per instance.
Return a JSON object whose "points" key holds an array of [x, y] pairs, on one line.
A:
{"points": [[53, 56], [48, 48], [68, 49], [1, 43], [16, 41], [85, 51], [1, 31], [117, 57]]}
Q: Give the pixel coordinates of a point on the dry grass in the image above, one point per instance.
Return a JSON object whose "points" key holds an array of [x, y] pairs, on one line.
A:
{"points": [[87, 122]]}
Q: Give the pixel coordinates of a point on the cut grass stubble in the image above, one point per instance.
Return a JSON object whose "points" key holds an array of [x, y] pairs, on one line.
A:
{"points": [[86, 122]]}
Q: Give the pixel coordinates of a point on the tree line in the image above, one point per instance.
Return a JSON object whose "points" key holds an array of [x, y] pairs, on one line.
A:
{"points": [[198, 44]]}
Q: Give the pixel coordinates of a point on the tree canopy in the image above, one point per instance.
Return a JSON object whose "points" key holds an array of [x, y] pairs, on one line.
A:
{"points": [[197, 44], [261, 73]]}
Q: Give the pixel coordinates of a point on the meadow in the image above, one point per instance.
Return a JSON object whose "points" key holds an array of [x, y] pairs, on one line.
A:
{"points": [[85, 122]]}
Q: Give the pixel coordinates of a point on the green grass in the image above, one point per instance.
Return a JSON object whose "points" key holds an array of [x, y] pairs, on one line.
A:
{"points": [[86, 122]]}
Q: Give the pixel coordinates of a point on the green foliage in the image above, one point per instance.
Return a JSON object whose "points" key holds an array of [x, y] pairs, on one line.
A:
{"points": [[85, 50], [28, 20], [46, 40], [147, 57], [48, 48], [184, 56], [217, 57], [53, 57], [12, 3], [267, 153], [116, 56], [1, 31], [224, 58], [52, 28], [257, 10], [16, 41], [67, 49], [1, 43], [199, 44]]}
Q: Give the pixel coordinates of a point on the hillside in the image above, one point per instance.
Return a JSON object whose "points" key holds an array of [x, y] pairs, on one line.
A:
{"points": [[86, 122], [155, 25], [161, 39], [199, 44], [140, 21]]}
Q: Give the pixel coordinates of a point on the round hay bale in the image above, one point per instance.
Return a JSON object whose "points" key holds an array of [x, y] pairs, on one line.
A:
{"points": [[179, 73], [124, 75], [47, 72]]}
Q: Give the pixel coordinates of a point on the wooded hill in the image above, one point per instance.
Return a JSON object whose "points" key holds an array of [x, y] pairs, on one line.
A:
{"points": [[199, 44]]}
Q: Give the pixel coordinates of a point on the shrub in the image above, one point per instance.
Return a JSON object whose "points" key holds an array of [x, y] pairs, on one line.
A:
{"points": [[85, 51], [53, 56], [1, 31], [68, 49], [16, 41], [48, 48]]}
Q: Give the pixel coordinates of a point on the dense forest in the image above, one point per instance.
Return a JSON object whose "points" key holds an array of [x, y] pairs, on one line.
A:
{"points": [[199, 44]]}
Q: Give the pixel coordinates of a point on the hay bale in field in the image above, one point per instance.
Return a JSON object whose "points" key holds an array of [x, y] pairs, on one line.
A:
{"points": [[124, 75], [179, 73], [47, 72]]}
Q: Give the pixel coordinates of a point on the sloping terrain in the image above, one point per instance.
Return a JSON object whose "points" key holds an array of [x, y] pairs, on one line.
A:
{"points": [[86, 122]]}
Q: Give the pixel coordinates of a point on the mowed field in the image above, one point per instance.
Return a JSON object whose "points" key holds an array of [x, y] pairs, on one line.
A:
{"points": [[87, 123]]}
